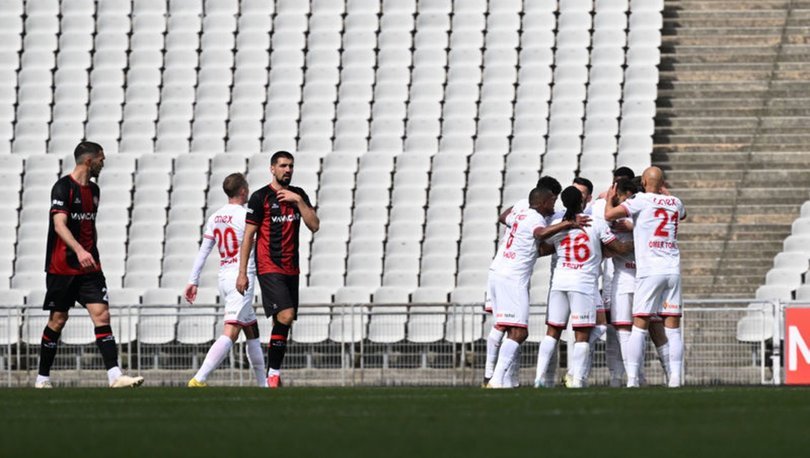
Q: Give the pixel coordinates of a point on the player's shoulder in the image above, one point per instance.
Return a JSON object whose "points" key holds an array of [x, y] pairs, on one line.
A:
{"points": [[297, 190]]}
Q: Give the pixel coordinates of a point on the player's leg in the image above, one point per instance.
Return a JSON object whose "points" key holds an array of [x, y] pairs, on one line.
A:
{"points": [[255, 354], [659, 339], [280, 299], [621, 314], [511, 312], [251, 328], [583, 320], [92, 294], [645, 301], [672, 327], [556, 320], [219, 350], [495, 334], [59, 298]]}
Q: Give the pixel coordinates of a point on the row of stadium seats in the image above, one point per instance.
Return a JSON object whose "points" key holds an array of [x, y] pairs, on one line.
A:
{"points": [[789, 278], [413, 122], [159, 320]]}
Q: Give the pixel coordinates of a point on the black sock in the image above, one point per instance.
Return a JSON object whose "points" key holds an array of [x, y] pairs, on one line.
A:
{"points": [[106, 345], [47, 351], [278, 345]]}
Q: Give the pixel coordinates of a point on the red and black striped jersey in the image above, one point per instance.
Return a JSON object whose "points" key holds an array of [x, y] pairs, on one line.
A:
{"points": [[277, 235], [80, 204]]}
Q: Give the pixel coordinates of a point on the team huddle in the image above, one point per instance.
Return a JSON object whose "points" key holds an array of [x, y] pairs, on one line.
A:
{"points": [[628, 237]]}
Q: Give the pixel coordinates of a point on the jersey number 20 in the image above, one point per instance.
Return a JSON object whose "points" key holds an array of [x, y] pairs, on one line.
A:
{"points": [[227, 243]]}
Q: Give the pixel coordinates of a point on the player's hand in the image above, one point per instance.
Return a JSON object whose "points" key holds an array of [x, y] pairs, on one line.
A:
{"points": [[623, 226], [86, 260], [581, 221], [241, 283], [665, 191], [288, 197], [611, 194], [190, 293]]}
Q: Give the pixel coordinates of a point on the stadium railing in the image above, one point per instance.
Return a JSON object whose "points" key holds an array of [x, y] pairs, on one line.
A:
{"points": [[728, 342]]}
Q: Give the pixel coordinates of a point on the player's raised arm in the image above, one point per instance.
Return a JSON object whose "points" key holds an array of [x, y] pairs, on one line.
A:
{"points": [[613, 212], [502, 216], [544, 233]]}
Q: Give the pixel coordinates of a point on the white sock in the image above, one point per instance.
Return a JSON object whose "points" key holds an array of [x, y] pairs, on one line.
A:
{"points": [[635, 355], [613, 354], [675, 356], [493, 345], [551, 370], [113, 374], [505, 359], [512, 376], [218, 351], [624, 339], [547, 350], [596, 334], [271, 371], [256, 357], [663, 358], [579, 359], [42, 378]]}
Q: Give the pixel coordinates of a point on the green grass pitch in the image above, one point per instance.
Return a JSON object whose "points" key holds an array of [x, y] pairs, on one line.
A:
{"points": [[405, 422]]}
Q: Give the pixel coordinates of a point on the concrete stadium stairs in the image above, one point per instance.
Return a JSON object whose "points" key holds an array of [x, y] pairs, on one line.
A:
{"points": [[733, 134]]}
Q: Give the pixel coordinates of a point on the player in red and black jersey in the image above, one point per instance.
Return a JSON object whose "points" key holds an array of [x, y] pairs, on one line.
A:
{"points": [[72, 265], [274, 217]]}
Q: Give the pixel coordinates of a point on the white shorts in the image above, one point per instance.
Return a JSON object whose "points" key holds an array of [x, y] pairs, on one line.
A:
{"points": [[238, 308], [601, 305], [657, 295], [621, 312], [510, 302], [579, 306]]}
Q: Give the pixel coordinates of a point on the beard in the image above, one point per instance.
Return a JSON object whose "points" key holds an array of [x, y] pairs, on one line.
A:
{"points": [[95, 171], [284, 179]]}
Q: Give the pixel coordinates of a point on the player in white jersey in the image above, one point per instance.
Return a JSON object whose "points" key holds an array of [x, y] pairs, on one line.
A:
{"points": [[496, 334], [510, 273], [658, 279], [579, 253], [225, 230]]}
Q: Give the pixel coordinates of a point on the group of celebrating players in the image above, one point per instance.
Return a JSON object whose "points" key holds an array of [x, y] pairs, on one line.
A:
{"points": [[635, 223], [628, 237]]}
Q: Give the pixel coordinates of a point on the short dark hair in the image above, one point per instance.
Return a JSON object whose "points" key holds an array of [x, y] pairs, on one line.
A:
{"points": [[625, 172], [234, 183], [624, 185], [84, 148], [584, 182], [637, 182], [551, 184], [539, 193], [281, 155]]}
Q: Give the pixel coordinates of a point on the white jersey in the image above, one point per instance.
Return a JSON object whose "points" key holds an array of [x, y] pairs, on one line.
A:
{"points": [[579, 255], [517, 250], [624, 266], [226, 227], [655, 233]]}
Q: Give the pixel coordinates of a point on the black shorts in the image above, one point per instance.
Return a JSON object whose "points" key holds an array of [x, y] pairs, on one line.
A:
{"points": [[279, 292], [65, 290]]}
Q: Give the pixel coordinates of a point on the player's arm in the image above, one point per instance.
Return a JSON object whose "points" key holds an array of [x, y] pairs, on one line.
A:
{"points": [[502, 216], [543, 233], [545, 249], [244, 257], [613, 212], [622, 225], [206, 246], [60, 227], [616, 248], [302, 202]]}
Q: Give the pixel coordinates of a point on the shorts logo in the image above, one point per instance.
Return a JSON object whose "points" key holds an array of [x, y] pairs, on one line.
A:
{"points": [[106, 296], [669, 306]]}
